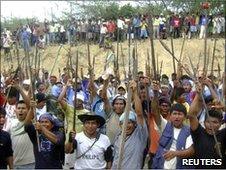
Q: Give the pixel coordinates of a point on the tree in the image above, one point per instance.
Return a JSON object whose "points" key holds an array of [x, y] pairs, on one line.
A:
{"points": [[127, 11]]}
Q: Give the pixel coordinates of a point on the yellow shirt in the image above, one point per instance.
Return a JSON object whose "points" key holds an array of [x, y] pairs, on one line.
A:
{"points": [[69, 116], [143, 26]]}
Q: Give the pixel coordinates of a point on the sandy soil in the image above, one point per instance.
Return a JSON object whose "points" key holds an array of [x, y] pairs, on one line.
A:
{"points": [[192, 48]]}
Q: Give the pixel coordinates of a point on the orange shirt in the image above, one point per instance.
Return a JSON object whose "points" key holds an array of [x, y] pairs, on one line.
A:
{"points": [[154, 134]]}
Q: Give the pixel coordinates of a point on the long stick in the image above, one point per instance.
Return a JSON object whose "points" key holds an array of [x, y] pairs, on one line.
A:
{"points": [[182, 49], [217, 144], [124, 127], [205, 46], [208, 60], [160, 72], [123, 135], [75, 91], [129, 57], [152, 47], [32, 88], [214, 49], [7, 95], [58, 52], [172, 48], [123, 62], [157, 63]]}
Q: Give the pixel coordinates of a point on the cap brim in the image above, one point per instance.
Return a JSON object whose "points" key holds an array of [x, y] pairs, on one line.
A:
{"points": [[86, 117]]}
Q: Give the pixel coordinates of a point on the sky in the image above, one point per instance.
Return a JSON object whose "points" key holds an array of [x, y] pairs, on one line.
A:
{"points": [[39, 9]]}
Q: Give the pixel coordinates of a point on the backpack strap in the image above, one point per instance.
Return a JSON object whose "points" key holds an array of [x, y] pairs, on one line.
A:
{"points": [[97, 138]]}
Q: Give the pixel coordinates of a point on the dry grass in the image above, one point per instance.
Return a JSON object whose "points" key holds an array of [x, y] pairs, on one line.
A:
{"points": [[192, 47]]}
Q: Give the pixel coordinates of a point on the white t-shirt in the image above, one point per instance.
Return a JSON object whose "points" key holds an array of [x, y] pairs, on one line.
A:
{"points": [[41, 111], [21, 144], [94, 158], [171, 164], [10, 114], [120, 23]]}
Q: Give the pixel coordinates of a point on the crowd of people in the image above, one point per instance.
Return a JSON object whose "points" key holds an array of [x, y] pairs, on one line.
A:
{"points": [[47, 123], [60, 121], [104, 32]]}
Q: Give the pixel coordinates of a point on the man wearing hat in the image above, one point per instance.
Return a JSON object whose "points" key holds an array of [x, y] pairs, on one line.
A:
{"points": [[69, 115], [93, 150], [136, 136], [117, 109], [189, 94], [122, 89]]}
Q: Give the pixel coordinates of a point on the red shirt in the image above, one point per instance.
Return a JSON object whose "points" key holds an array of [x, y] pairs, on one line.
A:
{"points": [[2, 100], [111, 27], [176, 22]]}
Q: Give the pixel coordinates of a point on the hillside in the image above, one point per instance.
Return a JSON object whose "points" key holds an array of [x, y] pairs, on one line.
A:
{"points": [[192, 47]]}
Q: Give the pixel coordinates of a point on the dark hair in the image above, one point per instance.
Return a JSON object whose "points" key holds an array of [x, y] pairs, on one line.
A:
{"points": [[20, 102], [140, 72], [2, 111], [178, 107], [13, 92], [118, 98], [214, 113], [38, 84], [142, 87], [178, 92], [164, 76], [164, 100]]}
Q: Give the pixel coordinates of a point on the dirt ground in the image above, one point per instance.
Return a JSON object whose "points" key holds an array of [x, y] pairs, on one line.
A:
{"points": [[192, 48]]}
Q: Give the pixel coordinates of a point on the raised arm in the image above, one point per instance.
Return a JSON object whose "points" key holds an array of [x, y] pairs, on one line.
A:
{"points": [[155, 104], [210, 85], [137, 103], [48, 134], [25, 97], [107, 106], [63, 93], [30, 114], [195, 107]]}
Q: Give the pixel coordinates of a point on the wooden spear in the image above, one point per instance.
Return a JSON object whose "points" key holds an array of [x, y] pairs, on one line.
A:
{"points": [[58, 53], [182, 49], [214, 49], [152, 47], [157, 63], [123, 61], [205, 46], [124, 127], [75, 91], [172, 48], [32, 89]]}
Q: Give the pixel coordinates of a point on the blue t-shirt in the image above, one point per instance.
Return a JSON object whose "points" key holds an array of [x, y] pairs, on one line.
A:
{"points": [[50, 156], [98, 107]]}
